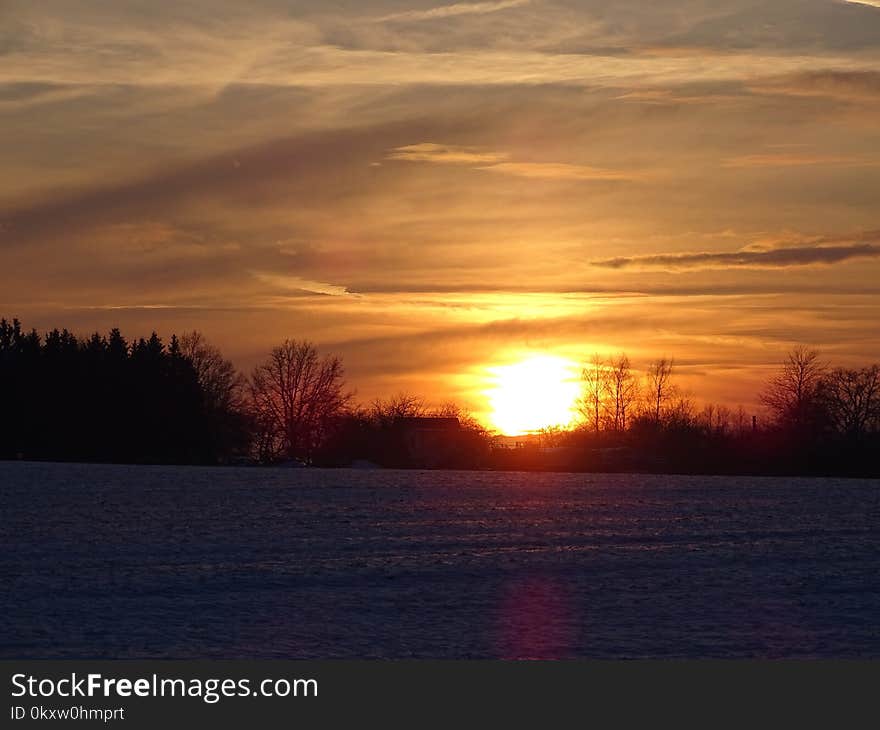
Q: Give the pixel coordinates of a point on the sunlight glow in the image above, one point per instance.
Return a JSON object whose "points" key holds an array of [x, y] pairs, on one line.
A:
{"points": [[535, 393]]}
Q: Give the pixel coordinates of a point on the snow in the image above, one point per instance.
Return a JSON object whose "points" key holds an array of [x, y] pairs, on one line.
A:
{"points": [[102, 561]]}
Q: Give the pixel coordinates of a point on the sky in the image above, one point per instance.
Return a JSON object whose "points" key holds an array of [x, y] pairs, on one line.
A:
{"points": [[432, 190]]}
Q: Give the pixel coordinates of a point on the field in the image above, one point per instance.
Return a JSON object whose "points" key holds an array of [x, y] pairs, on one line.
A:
{"points": [[181, 562]]}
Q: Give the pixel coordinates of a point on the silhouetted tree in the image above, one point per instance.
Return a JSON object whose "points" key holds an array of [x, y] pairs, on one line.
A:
{"points": [[221, 384], [741, 421], [681, 412], [473, 442], [102, 399], [403, 405], [851, 398], [296, 397], [791, 393], [451, 409], [595, 380], [716, 419], [622, 390], [223, 389], [660, 388], [105, 398]]}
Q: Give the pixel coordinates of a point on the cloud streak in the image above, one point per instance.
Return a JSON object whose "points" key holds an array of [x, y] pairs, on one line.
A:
{"points": [[444, 154], [747, 258], [794, 160], [456, 9], [299, 284], [500, 162], [558, 171]]}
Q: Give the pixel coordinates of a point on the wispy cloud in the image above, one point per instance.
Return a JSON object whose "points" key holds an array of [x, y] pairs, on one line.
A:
{"points": [[445, 154], [275, 157], [500, 162], [298, 284], [853, 86], [871, 3], [24, 96], [449, 11], [558, 171], [747, 258], [795, 160]]}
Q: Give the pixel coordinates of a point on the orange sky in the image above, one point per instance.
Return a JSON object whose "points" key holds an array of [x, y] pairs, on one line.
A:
{"points": [[434, 189]]}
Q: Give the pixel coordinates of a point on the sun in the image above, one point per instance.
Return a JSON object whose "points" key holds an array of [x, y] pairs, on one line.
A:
{"points": [[532, 394]]}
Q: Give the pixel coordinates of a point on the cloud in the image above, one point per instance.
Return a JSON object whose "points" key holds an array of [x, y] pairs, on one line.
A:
{"points": [[870, 3], [851, 86], [794, 160], [558, 171], [19, 97], [747, 258], [815, 25], [298, 284], [444, 154], [500, 162], [207, 50], [449, 11]]}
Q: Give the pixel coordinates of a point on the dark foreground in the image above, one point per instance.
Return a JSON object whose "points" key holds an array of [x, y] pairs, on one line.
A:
{"points": [[118, 562]]}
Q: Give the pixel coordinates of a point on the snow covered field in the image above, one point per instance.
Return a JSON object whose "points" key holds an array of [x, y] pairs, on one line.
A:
{"points": [[128, 561]]}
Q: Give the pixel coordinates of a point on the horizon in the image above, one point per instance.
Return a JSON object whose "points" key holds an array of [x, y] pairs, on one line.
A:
{"points": [[531, 395]]}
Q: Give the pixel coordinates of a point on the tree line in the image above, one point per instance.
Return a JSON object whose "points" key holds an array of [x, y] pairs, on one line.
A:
{"points": [[805, 398], [105, 398], [815, 418]]}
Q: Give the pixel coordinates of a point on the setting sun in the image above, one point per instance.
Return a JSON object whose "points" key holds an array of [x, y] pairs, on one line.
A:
{"points": [[533, 394]]}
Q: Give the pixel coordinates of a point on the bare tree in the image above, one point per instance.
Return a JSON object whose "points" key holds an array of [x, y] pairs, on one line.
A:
{"points": [[716, 419], [660, 387], [402, 405], [707, 417], [466, 419], [623, 391], [852, 399], [741, 421], [681, 411], [552, 436], [221, 383], [594, 377], [295, 397], [791, 394]]}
